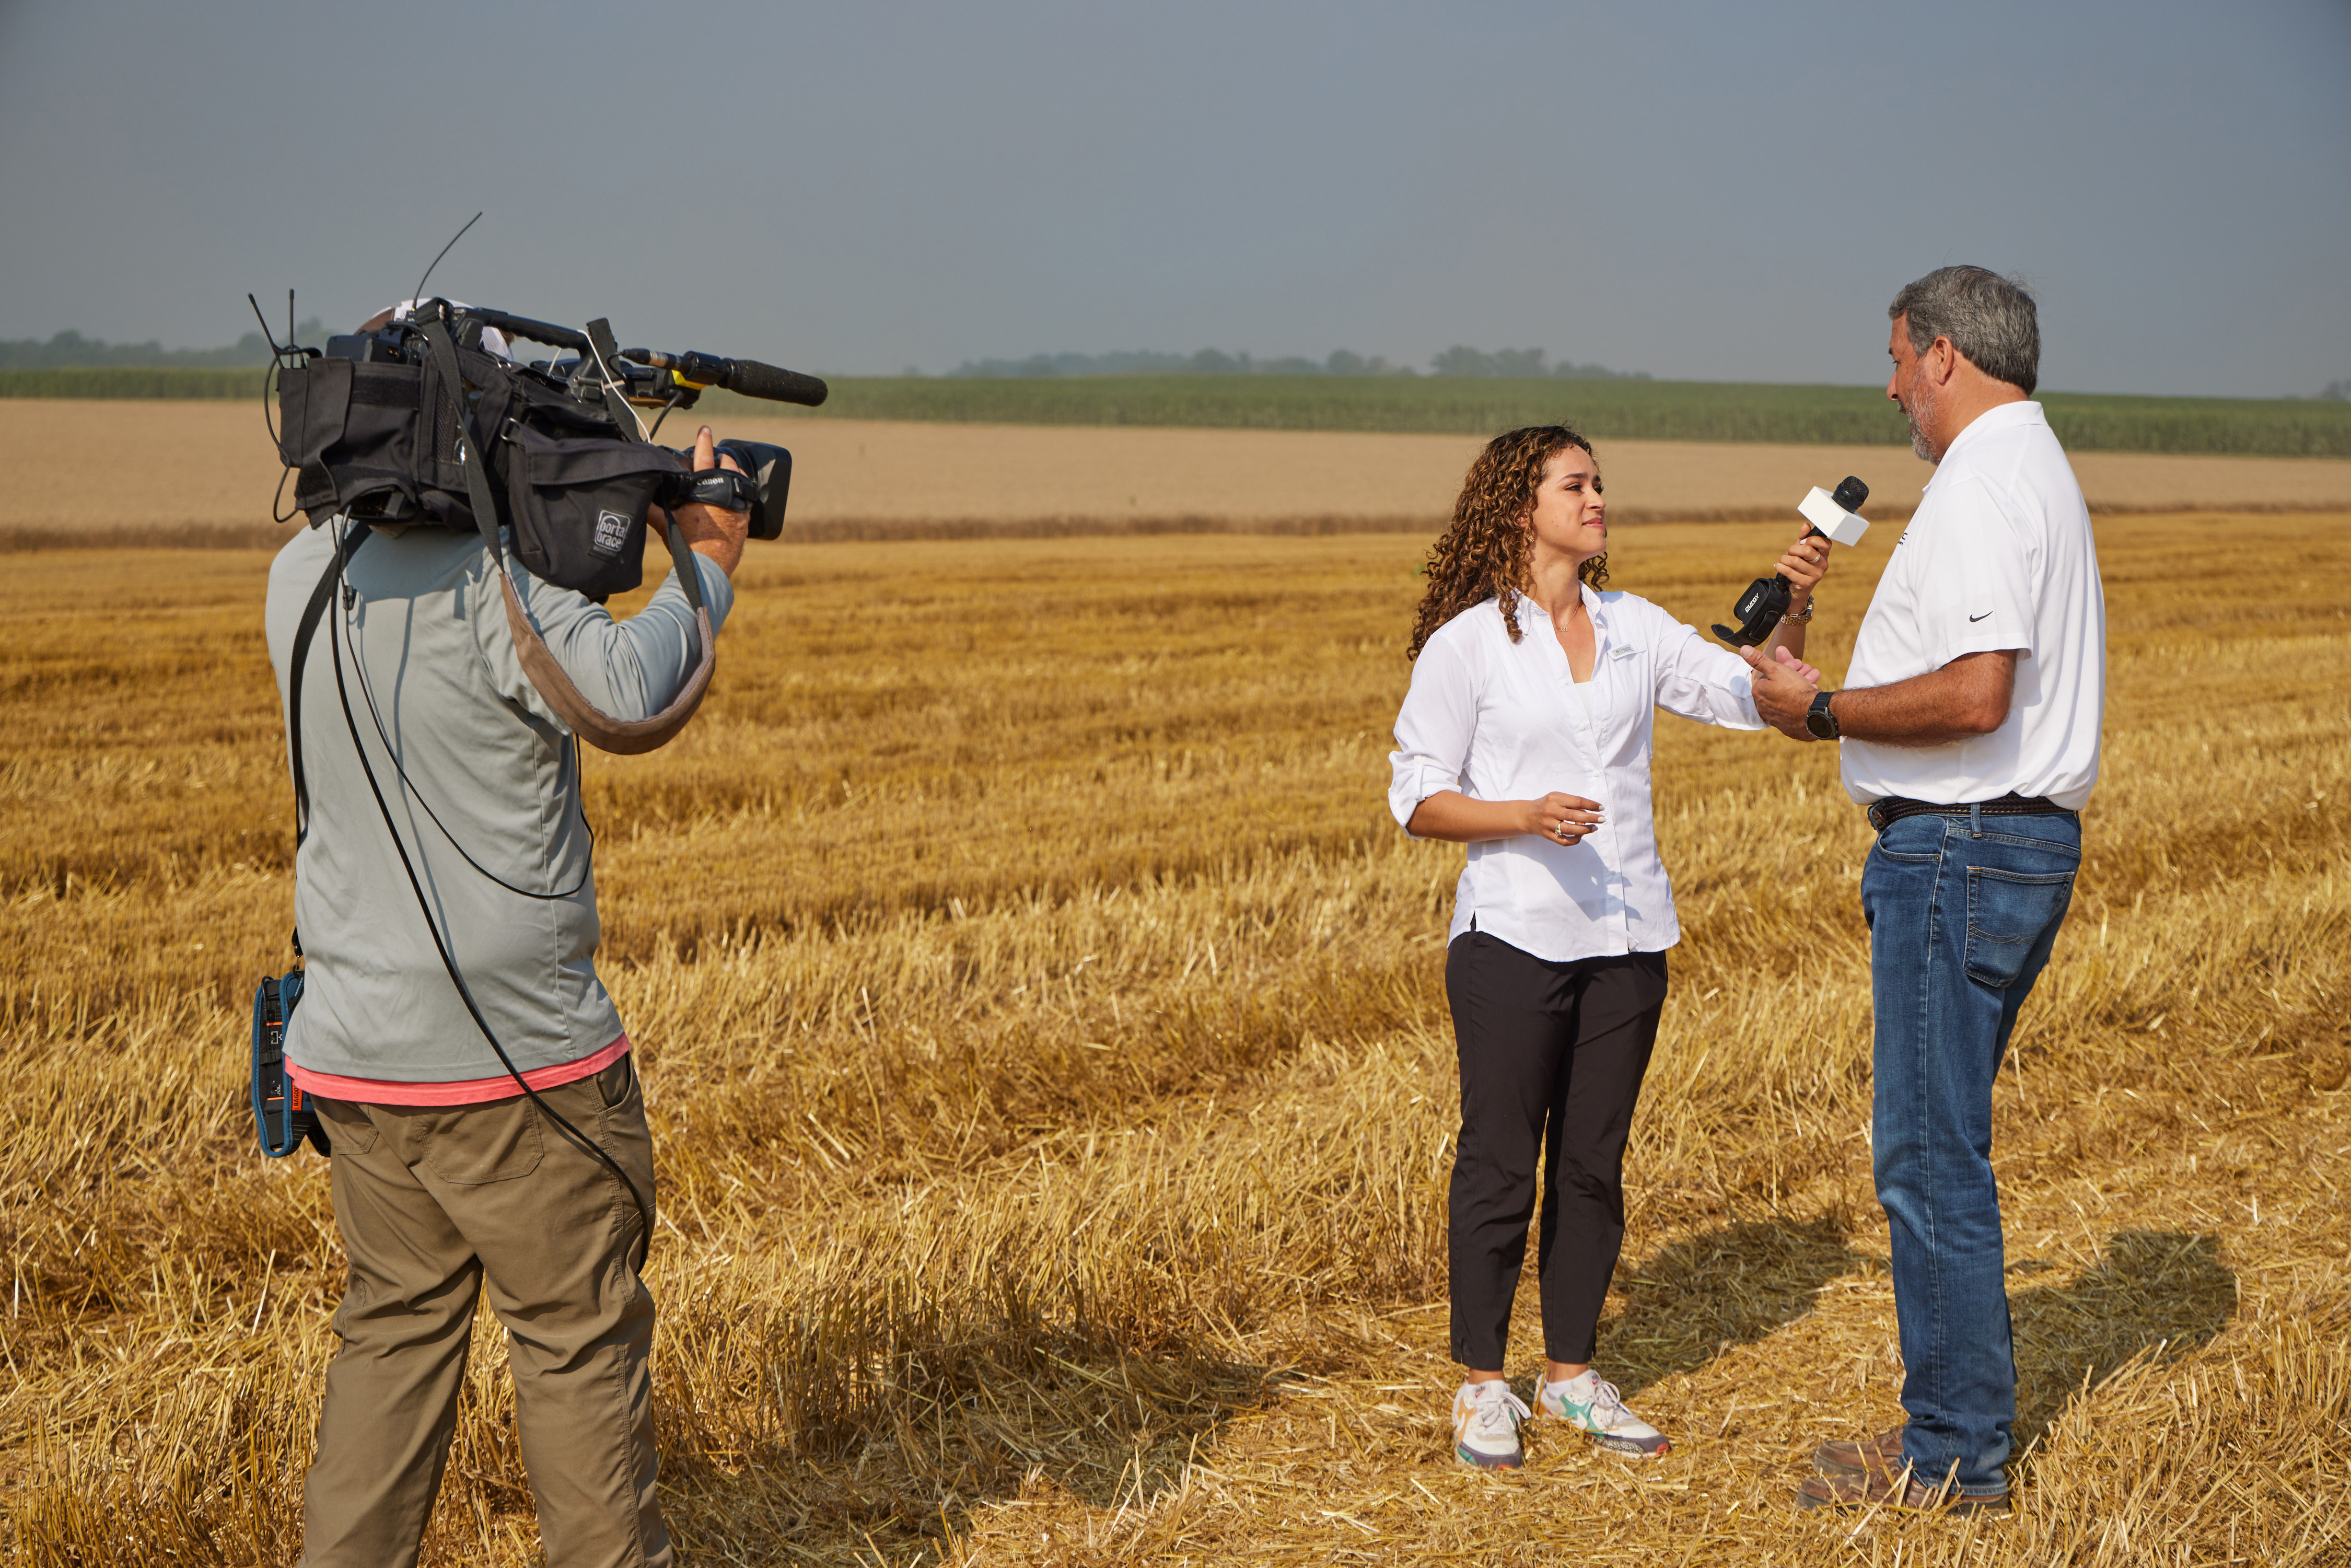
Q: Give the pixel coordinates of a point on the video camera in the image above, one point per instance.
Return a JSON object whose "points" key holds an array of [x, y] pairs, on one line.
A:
{"points": [[368, 425], [423, 419]]}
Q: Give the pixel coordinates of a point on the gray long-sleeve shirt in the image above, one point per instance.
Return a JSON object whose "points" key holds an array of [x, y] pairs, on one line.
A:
{"points": [[438, 695]]}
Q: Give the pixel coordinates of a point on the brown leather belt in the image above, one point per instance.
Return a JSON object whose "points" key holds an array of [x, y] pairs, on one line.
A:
{"points": [[1894, 808]]}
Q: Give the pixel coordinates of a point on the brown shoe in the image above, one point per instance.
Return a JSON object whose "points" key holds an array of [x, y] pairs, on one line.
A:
{"points": [[1858, 1489], [1881, 1455]]}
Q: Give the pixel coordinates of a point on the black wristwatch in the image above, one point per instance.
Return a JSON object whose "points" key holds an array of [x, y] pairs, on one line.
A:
{"points": [[1819, 719]]}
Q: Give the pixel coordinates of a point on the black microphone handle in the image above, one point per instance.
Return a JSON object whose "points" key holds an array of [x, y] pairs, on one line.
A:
{"points": [[752, 378]]}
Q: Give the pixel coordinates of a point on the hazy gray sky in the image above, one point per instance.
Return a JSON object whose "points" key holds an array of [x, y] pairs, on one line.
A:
{"points": [[1723, 189]]}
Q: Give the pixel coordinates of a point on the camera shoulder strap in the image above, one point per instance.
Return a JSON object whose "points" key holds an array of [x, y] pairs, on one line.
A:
{"points": [[586, 720], [304, 631]]}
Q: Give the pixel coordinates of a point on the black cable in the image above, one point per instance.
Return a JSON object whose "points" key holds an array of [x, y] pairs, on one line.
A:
{"points": [[664, 412], [432, 927], [278, 357], [278, 494], [409, 791]]}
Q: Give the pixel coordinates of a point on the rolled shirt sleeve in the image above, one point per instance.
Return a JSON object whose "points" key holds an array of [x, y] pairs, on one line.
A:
{"points": [[1433, 730]]}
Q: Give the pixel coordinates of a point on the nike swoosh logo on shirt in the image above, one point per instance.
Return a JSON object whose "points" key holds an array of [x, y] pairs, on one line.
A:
{"points": [[1973, 619]]}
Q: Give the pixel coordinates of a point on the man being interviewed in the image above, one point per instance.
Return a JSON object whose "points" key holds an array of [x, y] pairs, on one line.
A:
{"points": [[1969, 729]]}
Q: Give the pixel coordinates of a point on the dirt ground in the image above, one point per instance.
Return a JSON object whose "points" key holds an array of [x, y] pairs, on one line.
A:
{"points": [[199, 466]]}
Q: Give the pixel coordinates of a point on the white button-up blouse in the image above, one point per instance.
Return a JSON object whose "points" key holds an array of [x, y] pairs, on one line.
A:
{"points": [[1499, 720]]}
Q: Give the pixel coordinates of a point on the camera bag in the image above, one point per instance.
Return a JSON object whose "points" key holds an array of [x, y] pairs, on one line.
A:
{"points": [[578, 493], [381, 439]]}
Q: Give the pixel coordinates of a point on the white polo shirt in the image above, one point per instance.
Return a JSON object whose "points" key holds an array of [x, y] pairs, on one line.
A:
{"points": [[1997, 556], [1499, 720]]}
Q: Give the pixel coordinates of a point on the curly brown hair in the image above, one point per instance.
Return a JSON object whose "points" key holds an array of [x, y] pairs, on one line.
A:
{"points": [[1483, 554]]}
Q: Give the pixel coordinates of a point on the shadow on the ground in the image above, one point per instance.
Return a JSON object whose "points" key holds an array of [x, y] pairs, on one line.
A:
{"points": [[1731, 1285], [2151, 1287], [1026, 1415]]}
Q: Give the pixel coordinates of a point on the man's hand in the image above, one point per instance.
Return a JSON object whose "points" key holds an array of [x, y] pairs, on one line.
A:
{"points": [[1784, 687], [714, 531]]}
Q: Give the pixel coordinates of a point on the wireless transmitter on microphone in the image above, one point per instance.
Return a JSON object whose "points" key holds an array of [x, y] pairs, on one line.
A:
{"points": [[1833, 516]]}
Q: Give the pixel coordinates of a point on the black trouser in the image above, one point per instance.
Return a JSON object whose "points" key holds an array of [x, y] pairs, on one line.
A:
{"points": [[1552, 1059]]}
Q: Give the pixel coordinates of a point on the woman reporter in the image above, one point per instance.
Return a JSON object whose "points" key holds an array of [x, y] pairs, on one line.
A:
{"points": [[1526, 736]]}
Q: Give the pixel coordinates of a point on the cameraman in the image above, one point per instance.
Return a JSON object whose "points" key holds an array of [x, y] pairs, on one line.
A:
{"points": [[445, 1176]]}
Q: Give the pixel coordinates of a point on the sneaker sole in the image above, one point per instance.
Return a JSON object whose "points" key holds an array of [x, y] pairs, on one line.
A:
{"points": [[1630, 1448], [1488, 1462]]}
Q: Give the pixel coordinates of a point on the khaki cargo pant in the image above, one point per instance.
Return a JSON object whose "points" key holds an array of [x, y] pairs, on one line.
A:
{"points": [[432, 1202]]}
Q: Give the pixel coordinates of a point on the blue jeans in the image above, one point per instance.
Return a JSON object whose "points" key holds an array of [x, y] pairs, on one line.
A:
{"points": [[1962, 912]]}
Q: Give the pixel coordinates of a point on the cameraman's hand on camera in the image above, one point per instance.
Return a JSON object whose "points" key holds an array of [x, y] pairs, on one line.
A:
{"points": [[1784, 686], [714, 531]]}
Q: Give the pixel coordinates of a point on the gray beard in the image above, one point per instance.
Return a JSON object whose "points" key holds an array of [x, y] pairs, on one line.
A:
{"points": [[1921, 406]]}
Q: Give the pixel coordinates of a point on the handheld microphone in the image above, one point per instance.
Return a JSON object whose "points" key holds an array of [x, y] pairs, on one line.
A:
{"points": [[1835, 516]]}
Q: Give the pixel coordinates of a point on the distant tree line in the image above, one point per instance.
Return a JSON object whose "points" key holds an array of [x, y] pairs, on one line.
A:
{"points": [[1146, 363], [1457, 360], [1524, 364], [69, 350]]}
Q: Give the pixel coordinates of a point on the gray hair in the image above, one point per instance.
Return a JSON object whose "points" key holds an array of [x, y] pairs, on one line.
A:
{"points": [[1989, 319]]}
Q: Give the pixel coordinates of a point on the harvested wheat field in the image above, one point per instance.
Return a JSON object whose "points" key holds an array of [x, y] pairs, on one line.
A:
{"points": [[190, 473], [1043, 1027]]}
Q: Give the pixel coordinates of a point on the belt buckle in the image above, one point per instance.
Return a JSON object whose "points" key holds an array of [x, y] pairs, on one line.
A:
{"points": [[1878, 818]]}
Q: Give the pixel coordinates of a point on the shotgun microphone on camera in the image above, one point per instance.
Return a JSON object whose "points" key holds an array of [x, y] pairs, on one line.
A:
{"points": [[1835, 516]]}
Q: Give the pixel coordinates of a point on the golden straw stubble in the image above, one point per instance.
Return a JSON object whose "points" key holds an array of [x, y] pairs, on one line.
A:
{"points": [[1043, 1024]]}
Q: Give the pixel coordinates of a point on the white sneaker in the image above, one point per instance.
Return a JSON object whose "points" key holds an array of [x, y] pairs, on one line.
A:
{"points": [[1597, 1409], [1486, 1417]]}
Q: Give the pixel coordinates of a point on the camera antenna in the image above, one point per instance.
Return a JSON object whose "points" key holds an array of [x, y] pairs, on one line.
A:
{"points": [[278, 355], [444, 250], [268, 336]]}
